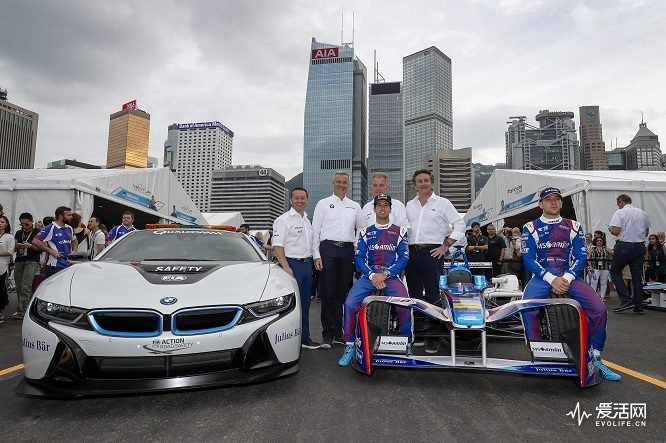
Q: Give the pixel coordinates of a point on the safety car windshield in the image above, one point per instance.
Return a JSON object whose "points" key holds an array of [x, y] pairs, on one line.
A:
{"points": [[182, 245]]}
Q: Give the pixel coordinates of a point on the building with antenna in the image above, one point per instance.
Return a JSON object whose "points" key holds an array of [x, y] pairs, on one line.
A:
{"points": [[18, 135], [643, 152], [385, 128], [335, 122]]}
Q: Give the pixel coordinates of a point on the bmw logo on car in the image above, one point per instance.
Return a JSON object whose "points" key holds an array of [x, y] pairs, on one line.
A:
{"points": [[168, 300]]}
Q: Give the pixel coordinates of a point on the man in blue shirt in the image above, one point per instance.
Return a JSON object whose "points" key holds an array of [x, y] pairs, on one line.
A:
{"points": [[122, 229], [56, 240], [554, 251]]}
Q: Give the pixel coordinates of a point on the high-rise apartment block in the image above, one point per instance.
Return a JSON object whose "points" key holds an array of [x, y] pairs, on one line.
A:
{"points": [[129, 132], [258, 193], [454, 176], [592, 143], [18, 135], [644, 152], [427, 108], [198, 150], [385, 146], [551, 145], [335, 122]]}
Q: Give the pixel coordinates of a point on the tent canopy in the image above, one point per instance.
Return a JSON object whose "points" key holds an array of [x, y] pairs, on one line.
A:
{"points": [[224, 218], [155, 192], [511, 195]]}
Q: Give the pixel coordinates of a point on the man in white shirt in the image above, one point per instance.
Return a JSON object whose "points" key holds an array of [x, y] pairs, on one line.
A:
{"points": [[430, 218], [631, 226], [335, 223], [292, 245], [96, 238], [380, 186]]}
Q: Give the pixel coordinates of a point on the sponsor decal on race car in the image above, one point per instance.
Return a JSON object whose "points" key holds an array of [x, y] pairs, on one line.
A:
{"points": [[393, 343], [168, 345], [193, 231], [36, 344], [543, 349], [282, 336]]}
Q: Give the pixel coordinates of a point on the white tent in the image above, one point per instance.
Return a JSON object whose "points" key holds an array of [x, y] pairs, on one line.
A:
{"points": [[510, 193], [224, 218], [154, 192]]}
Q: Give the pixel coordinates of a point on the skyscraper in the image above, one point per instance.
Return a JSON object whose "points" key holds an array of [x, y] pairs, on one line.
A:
{"points": [[427, 108], [171, 148], [258, 193], [644, 152], [18, 135], [592, 143], [385, 147], [335, 122], [551, 145], [200, 149], [454, 176], [129, 131]]}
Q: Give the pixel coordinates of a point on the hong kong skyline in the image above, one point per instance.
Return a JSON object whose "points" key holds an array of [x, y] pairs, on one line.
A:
{"points": [[245, 64]]}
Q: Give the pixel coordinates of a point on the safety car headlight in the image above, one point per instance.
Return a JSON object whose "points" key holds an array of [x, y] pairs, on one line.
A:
{"points": [[67, 315], [272, 306]]}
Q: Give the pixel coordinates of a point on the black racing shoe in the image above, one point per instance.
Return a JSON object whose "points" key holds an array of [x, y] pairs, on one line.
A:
{"points": [[307, 343], [624, 307]]}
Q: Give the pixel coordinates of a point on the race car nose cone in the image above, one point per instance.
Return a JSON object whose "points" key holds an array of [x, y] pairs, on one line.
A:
{"points": [[168, 300]]}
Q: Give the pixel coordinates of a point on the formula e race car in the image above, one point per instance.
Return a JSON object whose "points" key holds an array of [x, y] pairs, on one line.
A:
{"points": [[162, 309], [461, 322]]}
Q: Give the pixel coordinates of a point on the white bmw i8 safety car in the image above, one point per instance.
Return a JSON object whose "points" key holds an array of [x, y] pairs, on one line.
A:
{"points": [[162, 309]]}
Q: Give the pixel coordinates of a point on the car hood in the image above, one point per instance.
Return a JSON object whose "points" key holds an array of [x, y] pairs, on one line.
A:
{"points": [[121, 285]]}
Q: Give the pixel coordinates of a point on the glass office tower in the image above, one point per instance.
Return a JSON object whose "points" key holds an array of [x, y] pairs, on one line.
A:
{"points": [[385, 152], [335, 122], [428, 109]]}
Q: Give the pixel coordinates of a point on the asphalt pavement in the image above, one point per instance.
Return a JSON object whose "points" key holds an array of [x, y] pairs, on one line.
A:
{"points": [[327, 403]]}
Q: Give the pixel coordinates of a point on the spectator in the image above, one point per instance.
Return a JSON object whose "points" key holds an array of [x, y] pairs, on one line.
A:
{"points": [[496, 249], [1, 210], [477, 246], [662, 237], [588, 242], [656, 260], [39, 224], [26, 263], [96, 238], [513, 258], [80, 232], [335, 222], [105, 231], [6, 254], [598, 263], [601, 235], [122, 229], [245, 229], [630, 225], [56, 240]]}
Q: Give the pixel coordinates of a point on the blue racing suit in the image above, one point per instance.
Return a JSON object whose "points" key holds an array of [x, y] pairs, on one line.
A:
{"points": [[379, 249], [556, 248]]}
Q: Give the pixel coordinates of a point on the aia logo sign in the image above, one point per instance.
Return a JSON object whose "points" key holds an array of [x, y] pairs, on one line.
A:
{"points": [[325, 53]]}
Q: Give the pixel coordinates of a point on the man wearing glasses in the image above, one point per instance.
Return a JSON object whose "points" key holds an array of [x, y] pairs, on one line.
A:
{"points": [[26, 262]]}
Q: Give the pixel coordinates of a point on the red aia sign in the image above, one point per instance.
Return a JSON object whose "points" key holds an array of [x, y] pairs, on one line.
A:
{"points": [[130, 105], [325, 53]]}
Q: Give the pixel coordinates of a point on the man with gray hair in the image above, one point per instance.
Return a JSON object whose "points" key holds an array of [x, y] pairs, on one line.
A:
{"points": [[335, 222], [661, 235], [380, 186]]}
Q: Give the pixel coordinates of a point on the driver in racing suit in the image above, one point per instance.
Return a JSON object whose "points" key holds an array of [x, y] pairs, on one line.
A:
{"points": [[548, 244], [382, 254]]}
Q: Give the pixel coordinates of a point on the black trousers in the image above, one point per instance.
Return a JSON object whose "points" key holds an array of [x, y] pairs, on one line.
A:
{"points": [[334, 283], [423, 273]]}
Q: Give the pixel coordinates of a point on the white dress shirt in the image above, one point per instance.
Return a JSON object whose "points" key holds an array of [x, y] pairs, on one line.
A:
{"points": [[398, 215], [429, 223], [294, 234], [633, 222], [335, 219]]}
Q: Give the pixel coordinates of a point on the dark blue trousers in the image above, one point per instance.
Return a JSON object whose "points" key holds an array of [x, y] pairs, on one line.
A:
{"points": [[334, 283], [628, 254], [303, 275], [423, 273]]}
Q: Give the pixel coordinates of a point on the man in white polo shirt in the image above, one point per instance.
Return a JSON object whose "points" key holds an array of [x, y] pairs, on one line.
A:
{"points": [[292, 245], [631, 226], [430, 218], [335, 222], [380, 186]]}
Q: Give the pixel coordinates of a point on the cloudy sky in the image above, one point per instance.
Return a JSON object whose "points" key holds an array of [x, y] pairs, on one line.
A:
{"points": [[245, 63]]}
